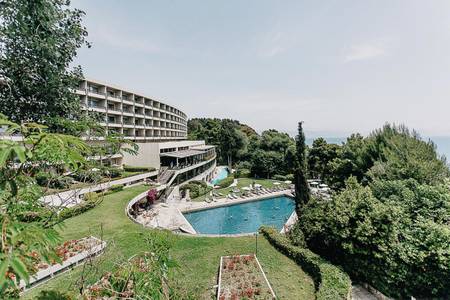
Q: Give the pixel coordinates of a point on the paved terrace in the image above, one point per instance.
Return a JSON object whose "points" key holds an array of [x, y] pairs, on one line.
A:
{"points": [[170, 215]]}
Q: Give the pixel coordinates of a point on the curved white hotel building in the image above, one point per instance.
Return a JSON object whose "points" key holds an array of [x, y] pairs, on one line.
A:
{"points": [[159, 129]]}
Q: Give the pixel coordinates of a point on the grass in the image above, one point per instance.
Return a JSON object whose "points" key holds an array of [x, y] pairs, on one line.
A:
{"points": [[198, 258], [242, 182]]}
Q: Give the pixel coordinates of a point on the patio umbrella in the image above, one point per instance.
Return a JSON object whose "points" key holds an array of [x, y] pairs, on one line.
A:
{"points": [[288, 182], [276, 183], [314, 183], [323, 185]]}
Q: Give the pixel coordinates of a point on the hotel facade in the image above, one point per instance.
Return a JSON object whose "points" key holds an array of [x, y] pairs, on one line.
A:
{"points": [[159, 129]]}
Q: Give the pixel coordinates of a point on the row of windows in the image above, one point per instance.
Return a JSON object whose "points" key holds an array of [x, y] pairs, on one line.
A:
{"points": [[122, 95], [119, 108]]}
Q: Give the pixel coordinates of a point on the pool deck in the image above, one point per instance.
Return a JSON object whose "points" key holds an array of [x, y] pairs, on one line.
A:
{"points": [[170, 215]]}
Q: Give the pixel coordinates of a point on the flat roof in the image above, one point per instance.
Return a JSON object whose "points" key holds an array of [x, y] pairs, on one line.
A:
{"points": [[182, 153], [203, 147]]}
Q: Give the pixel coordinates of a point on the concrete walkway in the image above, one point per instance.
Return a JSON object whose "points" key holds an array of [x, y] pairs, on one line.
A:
{"points": [[72, 197]]}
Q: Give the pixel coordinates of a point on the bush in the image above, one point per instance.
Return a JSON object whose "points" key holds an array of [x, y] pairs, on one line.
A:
{"points": [[116, 187], [226, 182], [137, 169], [330, 281], [279, 177], [290, 177], [54, 295], [53, 181], [112, 172], [92, 197], [196, 188], [87, 176], [242, 173], [73, 211]]}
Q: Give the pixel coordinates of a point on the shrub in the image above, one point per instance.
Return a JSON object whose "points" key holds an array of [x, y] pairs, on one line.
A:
{"points": [[330, 281], [87, 176], [91, 197], [279, 177], [289, 177], [116, 187], [242, 173], [73, 211], [196, 188], [112, 172], [138, 169], [226, 182], [54, 295]]}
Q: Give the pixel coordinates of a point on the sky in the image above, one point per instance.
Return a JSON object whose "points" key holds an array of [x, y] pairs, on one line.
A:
{"points": [[339, 66]]}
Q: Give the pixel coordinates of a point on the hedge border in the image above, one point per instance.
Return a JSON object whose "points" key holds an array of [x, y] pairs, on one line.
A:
{"points": [[329, 280]]}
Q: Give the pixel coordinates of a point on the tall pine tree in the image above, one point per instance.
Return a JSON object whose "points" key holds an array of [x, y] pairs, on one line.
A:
{"points": [[302, 193]]}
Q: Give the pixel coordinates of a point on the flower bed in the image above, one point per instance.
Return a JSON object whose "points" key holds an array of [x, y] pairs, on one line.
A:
{"points": [[242, 277], [70, 253]]}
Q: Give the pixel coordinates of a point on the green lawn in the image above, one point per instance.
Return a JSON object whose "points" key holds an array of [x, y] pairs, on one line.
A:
{"points": [[242, 182], [198, 258]]}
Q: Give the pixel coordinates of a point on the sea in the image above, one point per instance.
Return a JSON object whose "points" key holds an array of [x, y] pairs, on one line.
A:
{"points": [[442, 143]]}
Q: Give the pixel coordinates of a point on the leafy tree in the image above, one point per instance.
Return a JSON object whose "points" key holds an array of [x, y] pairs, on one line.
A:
{"points": [[38, 41], [20, 160], [388, 237], [266, 163], [232, 141], [319, 157], [302, 193]]}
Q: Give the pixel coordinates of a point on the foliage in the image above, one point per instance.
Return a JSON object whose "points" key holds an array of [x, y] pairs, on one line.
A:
{"points": [[91, 197], [210, 130], [54, 181], [112, 172], [232, 140], [330, 281], [116, 187], [19, 194], [196, 188], [319, 157], [302, 193], [393, 235], [152, 195], [138, 169], [87, 175], [390, 153], [144, 276], [69, 212], [39, 40], [54, 295], [111, 145], [226, 182], [279, 177]]}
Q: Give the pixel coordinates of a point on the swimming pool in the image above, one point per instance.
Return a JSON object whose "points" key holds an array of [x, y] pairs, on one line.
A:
{"points": [[223, 173], [242, 218]]}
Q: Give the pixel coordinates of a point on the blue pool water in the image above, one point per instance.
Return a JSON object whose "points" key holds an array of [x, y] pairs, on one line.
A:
{"points": [[242, 218], [223, 173]]}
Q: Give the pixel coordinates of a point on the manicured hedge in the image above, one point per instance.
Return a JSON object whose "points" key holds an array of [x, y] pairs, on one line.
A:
{"points": [[138, 169], [196, 188], [226, 182], [330, 281], [73, 211]]}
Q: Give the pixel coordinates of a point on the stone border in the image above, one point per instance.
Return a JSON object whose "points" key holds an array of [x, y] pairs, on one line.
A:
{"points": [[54, 270], [260, 269]]}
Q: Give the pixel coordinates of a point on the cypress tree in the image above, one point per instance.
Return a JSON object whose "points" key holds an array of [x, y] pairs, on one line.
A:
{"points": [[302, 193]]}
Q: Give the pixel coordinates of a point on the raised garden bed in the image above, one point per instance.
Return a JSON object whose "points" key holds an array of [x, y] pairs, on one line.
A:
{"points": [[242, 277], [71, 253]]}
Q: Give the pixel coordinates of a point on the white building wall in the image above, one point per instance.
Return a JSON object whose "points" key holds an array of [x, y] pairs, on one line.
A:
{"points": [[148, 153]]}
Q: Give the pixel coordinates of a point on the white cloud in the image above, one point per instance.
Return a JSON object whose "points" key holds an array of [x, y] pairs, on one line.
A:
{"points": [[367, 51]]}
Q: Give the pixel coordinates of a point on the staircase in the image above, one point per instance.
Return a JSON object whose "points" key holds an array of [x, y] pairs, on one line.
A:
{"points": [[164, 175]]}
